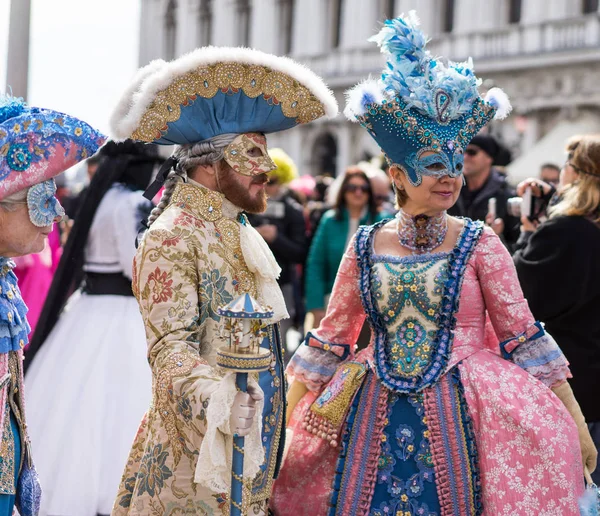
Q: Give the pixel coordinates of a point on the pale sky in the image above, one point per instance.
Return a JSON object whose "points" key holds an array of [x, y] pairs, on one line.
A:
{"points": [[82, 54]]}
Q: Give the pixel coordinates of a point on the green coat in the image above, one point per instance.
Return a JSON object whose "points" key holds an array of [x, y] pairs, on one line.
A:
{"points": [[325, 254]]}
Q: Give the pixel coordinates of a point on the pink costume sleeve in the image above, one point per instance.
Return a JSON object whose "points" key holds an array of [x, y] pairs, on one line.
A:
{"points": [[317, 358], [522, 340]]}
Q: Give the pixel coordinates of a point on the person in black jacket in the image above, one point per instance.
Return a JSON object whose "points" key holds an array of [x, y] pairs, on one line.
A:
{"points": [[483, 182], [559, 270], [283, 227]]}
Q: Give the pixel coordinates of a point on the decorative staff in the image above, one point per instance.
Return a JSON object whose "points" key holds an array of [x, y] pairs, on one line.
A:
{"points": [[244, 330]]}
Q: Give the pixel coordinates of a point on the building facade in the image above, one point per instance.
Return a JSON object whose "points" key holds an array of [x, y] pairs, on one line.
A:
{"points": [[544, 53]]}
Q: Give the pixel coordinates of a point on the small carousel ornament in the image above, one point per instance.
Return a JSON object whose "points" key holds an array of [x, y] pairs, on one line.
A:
{"points": [[243, 329]]}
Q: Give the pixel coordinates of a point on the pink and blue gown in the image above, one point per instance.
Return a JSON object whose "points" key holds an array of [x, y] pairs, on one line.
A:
{"points": [[454, 415]]}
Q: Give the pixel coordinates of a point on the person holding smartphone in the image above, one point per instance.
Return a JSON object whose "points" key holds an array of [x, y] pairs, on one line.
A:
{"points": [[482, 183], [559, 269]]}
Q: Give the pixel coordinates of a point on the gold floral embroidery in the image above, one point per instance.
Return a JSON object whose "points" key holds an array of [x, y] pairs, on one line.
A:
{"points": [[177, 365], [296, 100], [207, 203]]}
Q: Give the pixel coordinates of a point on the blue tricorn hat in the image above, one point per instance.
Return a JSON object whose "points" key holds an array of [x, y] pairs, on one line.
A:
{"points": [[218, 90], [421, 104]]}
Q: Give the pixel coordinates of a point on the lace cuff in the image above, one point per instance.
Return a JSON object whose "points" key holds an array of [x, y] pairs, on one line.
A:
{"points": [[213, 469], [313, 366], [538, 353]]}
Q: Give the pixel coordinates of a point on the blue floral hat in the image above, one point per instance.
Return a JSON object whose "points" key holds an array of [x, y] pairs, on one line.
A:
{"points": [[218, 90], [421, 105], [37, 144]]}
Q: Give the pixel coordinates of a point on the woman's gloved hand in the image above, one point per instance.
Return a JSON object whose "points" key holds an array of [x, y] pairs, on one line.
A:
{"points": [[244, 409], [589, 453]]}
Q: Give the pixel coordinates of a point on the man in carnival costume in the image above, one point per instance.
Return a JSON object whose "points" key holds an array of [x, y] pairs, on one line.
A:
{"points": [[35, 145], [199, 254]]}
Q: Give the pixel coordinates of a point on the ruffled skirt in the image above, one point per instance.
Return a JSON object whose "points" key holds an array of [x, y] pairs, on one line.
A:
{"points": [[86, 392], [488, 438]]}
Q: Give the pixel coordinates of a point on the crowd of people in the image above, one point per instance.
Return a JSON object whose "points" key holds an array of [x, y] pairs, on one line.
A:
{"points": [[430, 324]]}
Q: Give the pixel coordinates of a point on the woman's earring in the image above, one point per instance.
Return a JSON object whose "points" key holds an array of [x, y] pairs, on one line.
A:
{"points": [[464, 180]]}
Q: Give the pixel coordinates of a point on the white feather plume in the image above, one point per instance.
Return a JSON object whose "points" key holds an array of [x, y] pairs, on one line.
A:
{"points": [[359, 97], [499, 100], [126, 101]]}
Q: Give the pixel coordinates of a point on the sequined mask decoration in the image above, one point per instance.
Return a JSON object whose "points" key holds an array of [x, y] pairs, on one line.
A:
{"points": [[248, 155], [421, 233], [43, 206]]}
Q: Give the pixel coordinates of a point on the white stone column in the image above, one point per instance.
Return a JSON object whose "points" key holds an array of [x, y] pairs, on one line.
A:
{"points": [[264, 32], [17, 65], [224, 23], [187, 26], [359, 22], [345, 155], [311, 34], [152, 30], [465, 12]]}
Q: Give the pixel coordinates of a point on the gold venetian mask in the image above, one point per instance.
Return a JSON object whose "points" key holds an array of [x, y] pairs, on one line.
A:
{"points": [[248, 155]]}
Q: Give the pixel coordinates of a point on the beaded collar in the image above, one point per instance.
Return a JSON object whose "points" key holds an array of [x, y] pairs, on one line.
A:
{"points": [[207, 204], [421, 233]]}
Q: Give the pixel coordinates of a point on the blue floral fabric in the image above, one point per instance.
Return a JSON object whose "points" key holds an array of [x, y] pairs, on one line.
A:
{"points": [[405, 478], [14, 327]]}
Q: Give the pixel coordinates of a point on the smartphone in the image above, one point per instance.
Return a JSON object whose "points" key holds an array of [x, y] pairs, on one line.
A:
{"points": [[526, 205], [492, 207]]}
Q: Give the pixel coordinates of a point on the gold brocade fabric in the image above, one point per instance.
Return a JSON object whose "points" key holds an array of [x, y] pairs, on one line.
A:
{"points": [[187, 266], [13, 404], [205, 81]]}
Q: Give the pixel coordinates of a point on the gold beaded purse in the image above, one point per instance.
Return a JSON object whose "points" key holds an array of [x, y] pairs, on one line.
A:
{"points": [[327, 414]]}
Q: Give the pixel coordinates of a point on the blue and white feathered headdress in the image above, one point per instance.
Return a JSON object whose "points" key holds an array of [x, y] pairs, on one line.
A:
{"points": [[421, 104]]}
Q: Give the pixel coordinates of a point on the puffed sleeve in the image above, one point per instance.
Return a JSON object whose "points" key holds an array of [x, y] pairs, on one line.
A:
{"points": [[522, 339], [193, 399], [127, 213], [316, 360]]}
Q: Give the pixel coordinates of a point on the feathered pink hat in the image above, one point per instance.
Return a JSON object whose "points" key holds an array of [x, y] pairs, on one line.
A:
{"points": [[37, 144]]}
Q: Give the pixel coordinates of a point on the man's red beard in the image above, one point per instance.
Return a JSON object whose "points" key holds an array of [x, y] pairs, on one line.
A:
{"points": [[238, 194]]}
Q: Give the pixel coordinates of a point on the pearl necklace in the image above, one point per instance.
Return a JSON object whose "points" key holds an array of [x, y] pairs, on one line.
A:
{"points": [[421, 233]]}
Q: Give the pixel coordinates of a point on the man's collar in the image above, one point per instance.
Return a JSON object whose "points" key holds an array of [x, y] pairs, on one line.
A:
{"points": [[207, 204]]}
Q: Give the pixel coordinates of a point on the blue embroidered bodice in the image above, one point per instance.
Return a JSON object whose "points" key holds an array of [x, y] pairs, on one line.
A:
{"points": [[408, 295], [14, 327], [411, 304]]}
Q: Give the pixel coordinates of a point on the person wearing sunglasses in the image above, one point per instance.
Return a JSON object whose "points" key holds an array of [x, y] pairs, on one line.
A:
{"points": [[460, 404], [354, 205], [482, 183], [559, 269]]}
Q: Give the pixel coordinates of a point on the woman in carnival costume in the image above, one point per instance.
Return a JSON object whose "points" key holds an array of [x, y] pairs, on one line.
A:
{"points": [[82, 424], [198, 255], [35, 145], [442, 413]]}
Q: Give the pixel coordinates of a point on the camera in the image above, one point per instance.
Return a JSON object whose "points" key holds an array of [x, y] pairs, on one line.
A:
{"points": [[528, 205], [520, 206]]}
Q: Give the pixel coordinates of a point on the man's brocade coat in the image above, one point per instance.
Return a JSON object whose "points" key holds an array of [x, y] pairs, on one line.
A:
{"points": [[189, 264]]}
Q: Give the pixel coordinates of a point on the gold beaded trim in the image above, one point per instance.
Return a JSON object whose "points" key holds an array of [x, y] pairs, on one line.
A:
{"points": [[207, 202], [206, 81], [244, 363]]}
